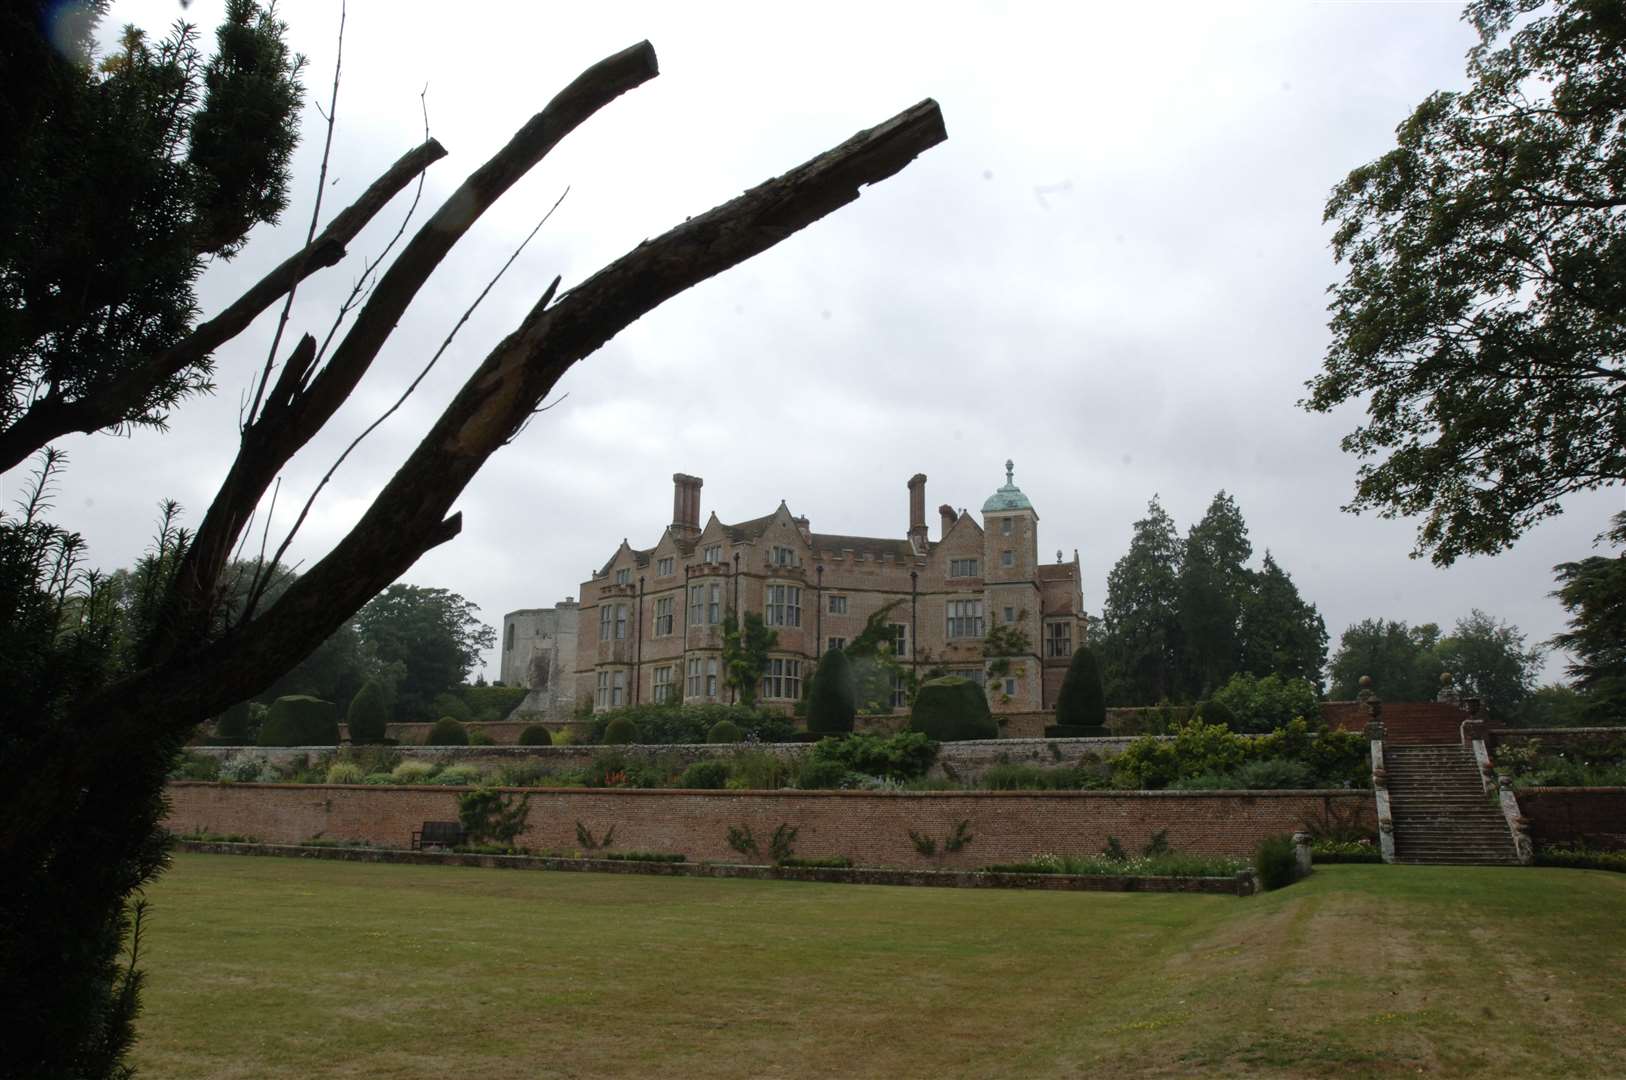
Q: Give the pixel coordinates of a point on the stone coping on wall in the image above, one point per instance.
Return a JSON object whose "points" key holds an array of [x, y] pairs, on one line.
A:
{"points": [[1242, 884], [979, 793]]}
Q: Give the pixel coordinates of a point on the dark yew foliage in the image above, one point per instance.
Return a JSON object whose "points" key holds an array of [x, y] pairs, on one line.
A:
{"points": [[834, 701]]}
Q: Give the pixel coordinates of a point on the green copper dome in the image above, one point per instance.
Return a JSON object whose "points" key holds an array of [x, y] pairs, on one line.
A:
{"points": [[1009, 497]]}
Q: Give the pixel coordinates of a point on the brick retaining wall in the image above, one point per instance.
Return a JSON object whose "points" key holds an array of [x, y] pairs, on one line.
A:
{"points": [[1595, 816], [871, 828]]}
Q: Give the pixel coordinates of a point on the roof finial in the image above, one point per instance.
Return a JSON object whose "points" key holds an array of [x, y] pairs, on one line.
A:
{"points": [[1010, 467]]}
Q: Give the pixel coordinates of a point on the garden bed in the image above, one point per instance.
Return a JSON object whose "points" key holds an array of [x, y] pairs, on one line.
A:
{"points": [[1240, 884]]}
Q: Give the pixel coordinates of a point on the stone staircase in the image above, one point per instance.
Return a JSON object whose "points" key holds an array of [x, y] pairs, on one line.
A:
{"points": [[1440, 811]]}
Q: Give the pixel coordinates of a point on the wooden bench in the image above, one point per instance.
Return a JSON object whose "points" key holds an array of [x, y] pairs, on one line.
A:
{"points": [[437, 834]]}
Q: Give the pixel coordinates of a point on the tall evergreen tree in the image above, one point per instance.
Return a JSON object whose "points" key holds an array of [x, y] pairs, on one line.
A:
{"points": [[1214, 583], [1593, 590], [1142, 614], [834, 701], [1281, 634]]}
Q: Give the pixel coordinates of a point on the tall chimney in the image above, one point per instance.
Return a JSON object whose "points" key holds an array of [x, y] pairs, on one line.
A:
{"points": [[917, 511], [949, 517], [686, 504]]}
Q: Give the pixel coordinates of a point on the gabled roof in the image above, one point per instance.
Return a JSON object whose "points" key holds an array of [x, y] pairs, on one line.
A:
{"points": [[749, 530], [875, 547]]}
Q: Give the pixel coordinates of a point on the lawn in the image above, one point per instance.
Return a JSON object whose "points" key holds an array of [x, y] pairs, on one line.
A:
{"points": [[265, 967]]}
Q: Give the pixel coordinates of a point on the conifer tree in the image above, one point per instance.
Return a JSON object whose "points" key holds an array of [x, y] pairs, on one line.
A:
{"points": [[835, 700], [1142, 615]]}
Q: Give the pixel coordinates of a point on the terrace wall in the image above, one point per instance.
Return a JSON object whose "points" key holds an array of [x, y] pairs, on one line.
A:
{"points": [[871, 828], [958, 760], [1595, 816]]}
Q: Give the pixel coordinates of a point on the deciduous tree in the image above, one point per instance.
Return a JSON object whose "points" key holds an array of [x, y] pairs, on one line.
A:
{"points": [[1480, 314]]}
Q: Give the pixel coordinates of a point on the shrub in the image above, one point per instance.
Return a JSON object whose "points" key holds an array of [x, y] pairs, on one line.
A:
{"points": [[834, 702], [1218, 714], [489, 816], [463, 774], [1260, 705], [447, 732], [779, 844], [818, 862], [705, 775], [248, 770], [412, 772], [1274, 774], [678, 723], [725, 731], [492, 702], [1581, 857], [300, 720], [1033, 778], [1276, 862], [367, 714], [344, 772], [520, 774], [950, 708], [1081, 701], [1166, 865], [642, 856], [235, 726], [759, 770], [450, 704], [741, 840], [621, 731], [480, 737], [903, 756], [535, 735], [819, 774], [192, 766]]}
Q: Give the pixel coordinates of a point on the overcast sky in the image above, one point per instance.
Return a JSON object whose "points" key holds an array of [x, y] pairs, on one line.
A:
{"points": [[1113, 272]]}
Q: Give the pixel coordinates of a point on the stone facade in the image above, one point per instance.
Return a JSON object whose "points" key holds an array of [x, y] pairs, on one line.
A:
{"points": [[539, 653], [651, 619]]}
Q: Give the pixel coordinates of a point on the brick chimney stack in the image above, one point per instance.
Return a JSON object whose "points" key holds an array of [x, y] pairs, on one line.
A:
{"points": [[917, 511], [686, 505], [946, 512]]}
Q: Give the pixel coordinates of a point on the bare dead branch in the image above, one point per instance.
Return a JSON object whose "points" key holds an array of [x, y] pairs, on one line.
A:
{"points": [[50, 417], [316, 215], [282, 427], [413, 385], [410, 515]]}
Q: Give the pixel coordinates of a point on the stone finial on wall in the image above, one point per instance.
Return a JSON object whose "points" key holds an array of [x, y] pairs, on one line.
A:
{"points": [[1448, 690]]}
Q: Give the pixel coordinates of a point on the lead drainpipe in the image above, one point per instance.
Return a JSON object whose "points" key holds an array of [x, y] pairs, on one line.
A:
{"points": [[914, 628], [818, 618], [739, 623], [638, 654]]}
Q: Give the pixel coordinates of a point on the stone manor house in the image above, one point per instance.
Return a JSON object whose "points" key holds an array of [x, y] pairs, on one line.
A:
{"points": [[649, 624]]}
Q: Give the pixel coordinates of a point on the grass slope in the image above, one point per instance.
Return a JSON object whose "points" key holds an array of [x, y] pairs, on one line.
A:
{"points": [[284, 968]]}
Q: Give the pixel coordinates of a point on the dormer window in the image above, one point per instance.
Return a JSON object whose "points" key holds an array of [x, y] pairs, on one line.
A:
{"points": [[784, 556], [713, 554], [623, 576], [665, 567]]}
